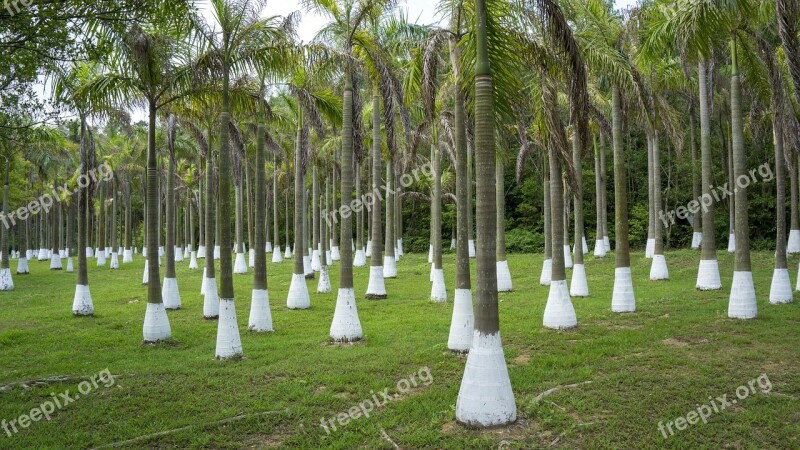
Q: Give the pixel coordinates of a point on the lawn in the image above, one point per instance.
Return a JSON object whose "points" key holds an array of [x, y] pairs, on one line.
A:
{"points": [[615, 376]]}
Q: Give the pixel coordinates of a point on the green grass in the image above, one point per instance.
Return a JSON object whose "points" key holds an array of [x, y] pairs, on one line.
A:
{"points": [[653, 365]]}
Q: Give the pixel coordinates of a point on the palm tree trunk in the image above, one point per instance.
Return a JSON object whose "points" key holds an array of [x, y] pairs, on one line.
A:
{"points": [[275, 219], [658, 269], [697, 219], [260, 242], [376, 288], [299, 241], [708, 274], [172, 221], [463, 215], [623, 299]]}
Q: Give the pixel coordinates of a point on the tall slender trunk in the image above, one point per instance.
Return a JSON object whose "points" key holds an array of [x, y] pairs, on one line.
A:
{"points": [[548, 211], [389, 241], [345, 248], [709, 246], [315, 209], [578, 199], [275, 219], [658, 249], [153, 203], [598, 190], [172, 222], [436, 205], [210, 216], [299, 241], [742, 228], [622, 256], [697, 220], [260, 259], [462, 180], [376, 259]]}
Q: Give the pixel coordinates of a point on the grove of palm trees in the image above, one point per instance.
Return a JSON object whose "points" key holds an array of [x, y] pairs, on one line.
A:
{"points": [[304, 224]]}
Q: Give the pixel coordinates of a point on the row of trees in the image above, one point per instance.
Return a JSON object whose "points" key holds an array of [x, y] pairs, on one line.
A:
{"points": [[240, 112]]}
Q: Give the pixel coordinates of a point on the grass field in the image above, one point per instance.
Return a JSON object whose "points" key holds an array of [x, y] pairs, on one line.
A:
{"points": [[619, 375]]}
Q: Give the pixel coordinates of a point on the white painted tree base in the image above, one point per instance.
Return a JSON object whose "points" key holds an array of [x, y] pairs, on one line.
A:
{"points": [[389, 267], [156, 323], [328, 258], [127, 256], [260, 315], [29, 254], [400, 247], [70, 269], [623, 299], [781, 289], [346, 327], [396, 255], [22, 266], [316, 263], [584, 247], [324, 283], [547, 272], [298, 297], [369, 249], [608, 243], [708, 275], [90, 252], [6, 282], [742, 303], [240, 265], [114, 264], [145, 275], [376, 288], [268, 247], [216, 252], [360, 259], [82, 302], [42, 256], [335, 255], [579, 286], [288, 253], [187, 252], [55, 263], [307, 267], [485, 397], [277, 257], [438, 288], [251, 258], [430, 276], [193, 260], [471, 248], [793, 243], [229, 343], [452, 244], [697, 240], [567, 257], [504, 283], [201, 251], [430, 253], [462, 323], [658, 268], [559, 312], [61, 254], [170, 295], [599, 249], [731, 243], [144, 252], [650, 248], [211, 299], [178, 254], [101, 259]]}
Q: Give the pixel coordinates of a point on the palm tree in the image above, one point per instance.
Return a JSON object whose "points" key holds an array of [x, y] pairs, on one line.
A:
{"points": [[579, 286], [170, 294], [485, 397], [376, 288]]}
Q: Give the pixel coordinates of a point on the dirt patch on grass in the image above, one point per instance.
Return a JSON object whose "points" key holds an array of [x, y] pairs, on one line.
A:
{"points": [[506, 435], [267, 440], [684, 341], [522, 360]]}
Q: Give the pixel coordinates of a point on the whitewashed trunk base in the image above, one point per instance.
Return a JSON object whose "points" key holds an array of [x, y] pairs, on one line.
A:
{"points": [[211, 299], [6, 282], [567, 257], [389, 267], [346, 327], [462, 323], [452, 244], [277, 257], [504, 283], [114, 261], [156, 323], [288, 253], [732, 243], [201, 251], [229, 343], [145, 274], [559, 312], [308, 271], [328, 258], [599, 249], [193, 260], [101, 258], [708, 275], [742, 303], [780, 290], [324, 283], [608, 243], [793, 243], [61, 254], [260, 315], [485, 397], [650, 248], [547, 272], [335, 255], [240, 265], [360, 259], [268, 247], [55, 263], [216, 252], [70, 269], [170, 295], [90, 252], [144, 252], [127, 256], [369, 249], [251, 258], [178, 254], [430, 253], [471, 248], [430, 276], [298, 297], [438, 288], [22, 266], [82, 302], [316, 263], [623, 298], [658, 268], [187, 252], [579, 286], [376, 288], [697, 239]]}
